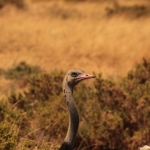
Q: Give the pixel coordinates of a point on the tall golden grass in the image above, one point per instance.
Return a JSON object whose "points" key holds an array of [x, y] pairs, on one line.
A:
{"points": [[61, 35]]}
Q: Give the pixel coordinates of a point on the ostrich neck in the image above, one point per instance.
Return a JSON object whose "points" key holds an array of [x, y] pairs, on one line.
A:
{"points": [[73, 115]]}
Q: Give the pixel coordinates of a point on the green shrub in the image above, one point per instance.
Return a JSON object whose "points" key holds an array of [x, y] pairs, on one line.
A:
{"points": [[22, 70], [8, 127], [39, 104], [124, 109]]}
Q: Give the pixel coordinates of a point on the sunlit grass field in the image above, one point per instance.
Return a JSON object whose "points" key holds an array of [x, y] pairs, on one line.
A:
{"points": [[41, 40], [63, 35]]}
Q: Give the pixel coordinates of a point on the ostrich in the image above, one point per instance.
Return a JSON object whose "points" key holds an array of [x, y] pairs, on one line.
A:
{"points": [[72, 78]]}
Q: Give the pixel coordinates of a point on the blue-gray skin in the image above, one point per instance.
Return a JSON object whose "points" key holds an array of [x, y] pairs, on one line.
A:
{"points": [[71, 79]]}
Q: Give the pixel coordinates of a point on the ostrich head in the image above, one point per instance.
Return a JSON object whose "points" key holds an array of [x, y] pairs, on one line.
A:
{"points": [[73, 77]]}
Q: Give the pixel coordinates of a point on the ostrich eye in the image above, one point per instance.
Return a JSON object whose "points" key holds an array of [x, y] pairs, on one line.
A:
{"points": [[74, 74]]}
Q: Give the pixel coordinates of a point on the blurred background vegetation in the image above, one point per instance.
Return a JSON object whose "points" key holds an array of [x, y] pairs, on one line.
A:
{"points": [[40, 40]]}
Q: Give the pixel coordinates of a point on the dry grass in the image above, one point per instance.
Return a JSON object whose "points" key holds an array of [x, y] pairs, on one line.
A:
{"points": [[59, 35]]}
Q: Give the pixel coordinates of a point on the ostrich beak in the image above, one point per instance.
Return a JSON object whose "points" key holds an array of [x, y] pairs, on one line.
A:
{"points": [[85, 76]]}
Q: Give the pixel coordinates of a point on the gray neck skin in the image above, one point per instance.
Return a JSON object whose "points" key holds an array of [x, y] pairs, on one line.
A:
{"points": [[73, 114]]}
